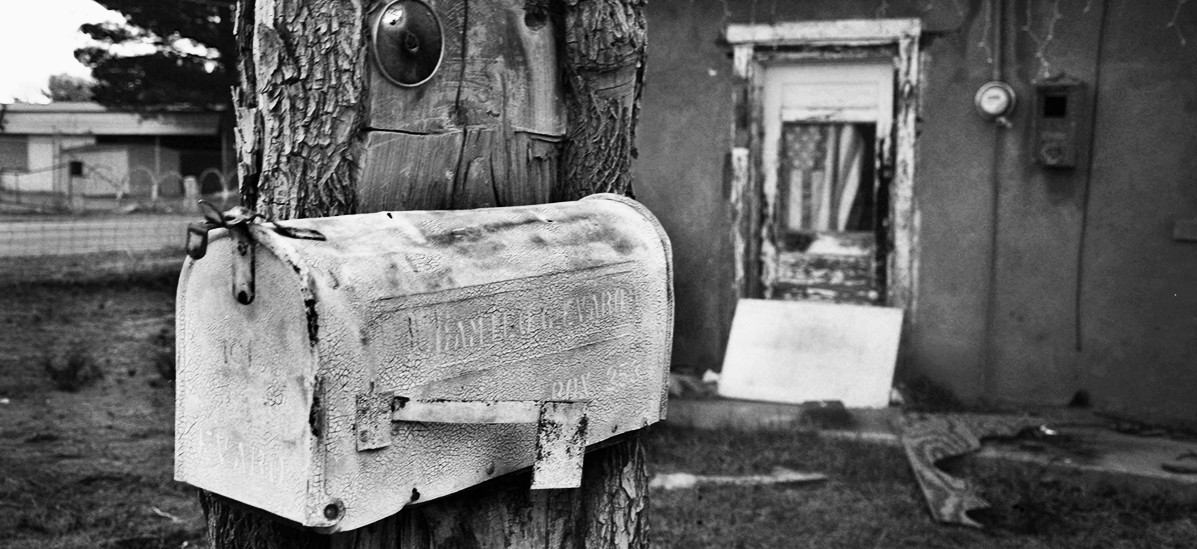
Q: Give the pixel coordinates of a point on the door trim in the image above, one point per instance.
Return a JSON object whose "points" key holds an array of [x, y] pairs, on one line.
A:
{"points": [[754, 46], [836, 32]]}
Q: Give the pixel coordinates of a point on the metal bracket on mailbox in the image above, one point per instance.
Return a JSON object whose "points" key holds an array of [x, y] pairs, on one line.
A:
{"points": [[243, 263], [237, 221], [560, 428]]}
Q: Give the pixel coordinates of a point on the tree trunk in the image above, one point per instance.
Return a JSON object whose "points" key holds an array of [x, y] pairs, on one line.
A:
{"points": [[604, 68], [535, 100]]}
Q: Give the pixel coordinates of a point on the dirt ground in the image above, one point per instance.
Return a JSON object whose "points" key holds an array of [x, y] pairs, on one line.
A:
{"points": [[92, 467], [86, 456]]}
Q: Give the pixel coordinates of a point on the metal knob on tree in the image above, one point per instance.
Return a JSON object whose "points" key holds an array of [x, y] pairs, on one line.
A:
{"points": [[407, 42]]}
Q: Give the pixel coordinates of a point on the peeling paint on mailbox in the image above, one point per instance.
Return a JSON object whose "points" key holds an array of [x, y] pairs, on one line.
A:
{"points": [[284, 403]]}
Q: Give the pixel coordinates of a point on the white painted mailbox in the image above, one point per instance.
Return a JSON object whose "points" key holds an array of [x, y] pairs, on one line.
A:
{"points": [[332, 371]]}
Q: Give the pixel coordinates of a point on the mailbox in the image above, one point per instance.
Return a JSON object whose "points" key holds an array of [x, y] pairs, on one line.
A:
{"points": [[332, 371]]}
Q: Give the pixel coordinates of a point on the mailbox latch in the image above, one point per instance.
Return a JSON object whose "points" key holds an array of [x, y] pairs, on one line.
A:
{"points": [[237, 221], [560, 428]]}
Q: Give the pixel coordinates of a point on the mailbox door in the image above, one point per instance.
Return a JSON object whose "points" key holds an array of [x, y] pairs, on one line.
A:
{"points": [[245, 382]]}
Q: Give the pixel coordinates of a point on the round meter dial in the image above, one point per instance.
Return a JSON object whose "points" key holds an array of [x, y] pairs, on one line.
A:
{"points": [[994, 100]]}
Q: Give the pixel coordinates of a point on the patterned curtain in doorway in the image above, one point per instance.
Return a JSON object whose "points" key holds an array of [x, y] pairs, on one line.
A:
{"points": [[821, 178]]}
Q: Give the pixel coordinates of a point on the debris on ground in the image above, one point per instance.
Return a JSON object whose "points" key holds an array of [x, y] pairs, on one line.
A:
{"points": [[165, 515], [1184, 464], [1128, 425], [928, 439], [689, 386], [780, 475], [825, 415]]}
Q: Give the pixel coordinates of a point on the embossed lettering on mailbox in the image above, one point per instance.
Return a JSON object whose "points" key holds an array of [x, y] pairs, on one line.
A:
{"points": [[463, 331], [469, 329]]}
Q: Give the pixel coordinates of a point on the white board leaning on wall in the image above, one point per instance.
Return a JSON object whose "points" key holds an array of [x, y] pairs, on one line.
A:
{"points": [[802, 351]]}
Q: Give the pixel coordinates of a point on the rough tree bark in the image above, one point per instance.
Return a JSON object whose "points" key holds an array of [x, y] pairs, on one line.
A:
{"points": [[515, 116], [604, 68]]}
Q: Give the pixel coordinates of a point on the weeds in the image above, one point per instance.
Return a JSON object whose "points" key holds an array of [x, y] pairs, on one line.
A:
{"points": [[924, 395], [74, 369], [871, 500], [151, 271], [164, 353]]}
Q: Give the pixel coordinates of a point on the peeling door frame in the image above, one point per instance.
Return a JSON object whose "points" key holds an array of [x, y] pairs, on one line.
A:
{"points": [[754, 46]]}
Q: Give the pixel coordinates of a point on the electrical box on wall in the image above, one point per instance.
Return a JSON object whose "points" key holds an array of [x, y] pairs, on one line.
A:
{"points": [[1059, 106]]}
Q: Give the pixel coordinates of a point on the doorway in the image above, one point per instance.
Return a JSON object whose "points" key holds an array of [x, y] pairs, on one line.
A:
{"points": [[826, 192], [822, 163]]}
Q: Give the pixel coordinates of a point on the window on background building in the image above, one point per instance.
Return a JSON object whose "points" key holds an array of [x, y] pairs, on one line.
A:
{"points": [[14, 154], [76, 168]]}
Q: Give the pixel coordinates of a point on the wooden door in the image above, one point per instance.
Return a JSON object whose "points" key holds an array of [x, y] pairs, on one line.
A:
{"points": [[827, 128]]}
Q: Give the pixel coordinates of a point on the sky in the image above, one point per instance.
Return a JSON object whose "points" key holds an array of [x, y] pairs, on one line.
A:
{"points": [[38, 38]]}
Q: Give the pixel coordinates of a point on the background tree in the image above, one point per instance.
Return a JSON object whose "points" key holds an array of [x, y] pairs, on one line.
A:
{"points": [[66, 88], [167, 53]]}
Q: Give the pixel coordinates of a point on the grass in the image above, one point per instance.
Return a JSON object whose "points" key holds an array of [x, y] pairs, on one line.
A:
{"points": [[871, 500], [112, 269]]}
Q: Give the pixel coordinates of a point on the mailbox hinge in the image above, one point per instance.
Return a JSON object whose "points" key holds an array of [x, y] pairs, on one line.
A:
{"points": [[560, 428], [237, 221]]}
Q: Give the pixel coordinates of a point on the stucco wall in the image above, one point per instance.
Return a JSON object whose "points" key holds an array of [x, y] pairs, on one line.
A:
{"points": [[42, 158], [47, 172], [104, 170], [1033, 284], [1139, 301], [682, 141]]}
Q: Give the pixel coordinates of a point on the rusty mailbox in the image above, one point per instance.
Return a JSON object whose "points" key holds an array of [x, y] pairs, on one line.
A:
{"points": [[332, 371]]}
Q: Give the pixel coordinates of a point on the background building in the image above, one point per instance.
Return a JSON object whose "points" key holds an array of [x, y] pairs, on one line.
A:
{"points": [[84, 156], [1042, 258]]}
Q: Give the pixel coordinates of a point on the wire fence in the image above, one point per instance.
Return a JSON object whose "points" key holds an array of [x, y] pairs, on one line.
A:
{"points": [[64, 235], [43, 248], [75, 223], [104, 204]]}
